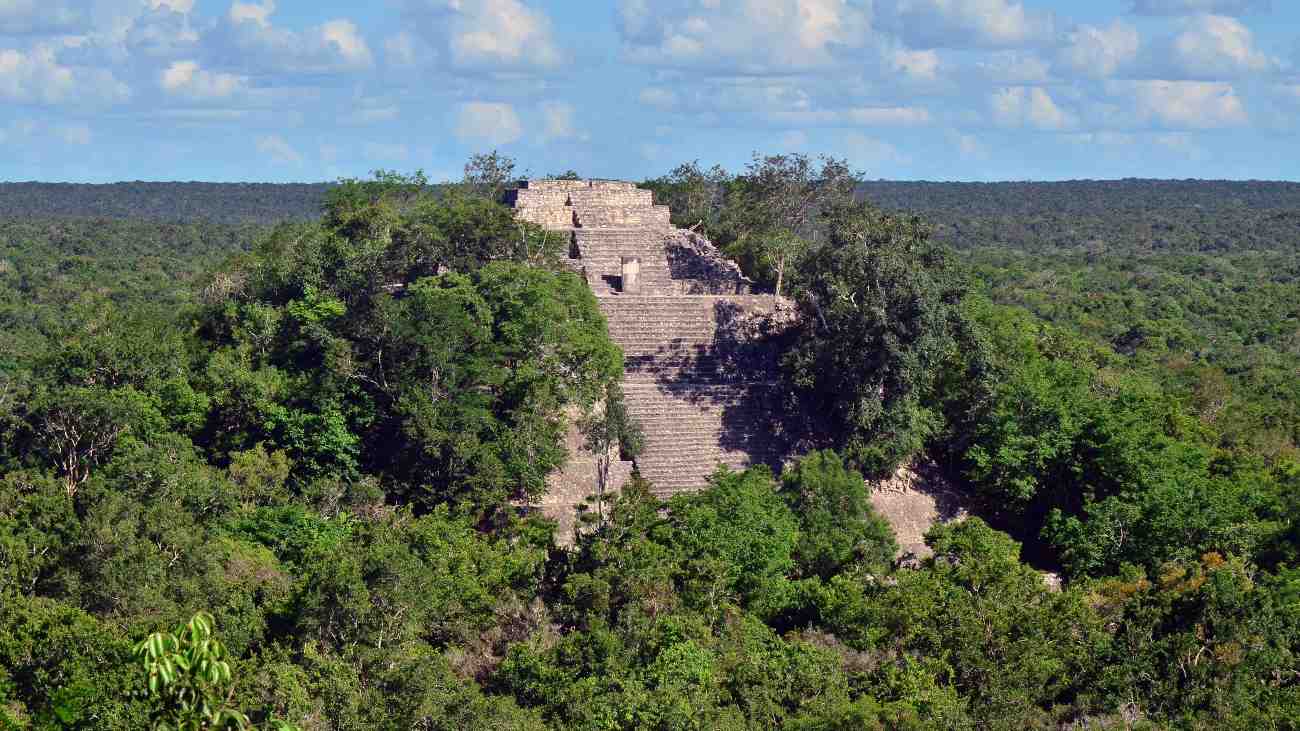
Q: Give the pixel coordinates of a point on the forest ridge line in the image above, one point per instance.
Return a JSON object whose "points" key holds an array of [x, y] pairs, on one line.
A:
{"points": [[252, 202]]}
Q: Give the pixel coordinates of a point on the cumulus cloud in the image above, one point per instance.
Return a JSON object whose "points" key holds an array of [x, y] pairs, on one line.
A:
{"points": [[746, 37], [278, 151], [1189, 7], [558, 121], [1020, 106], [493, 123], [258, 13], [917, 65], [486, 35], [250, 39], [164, 31], [1099, 51], [1208, 47], [966, 23], [179, 6], [37, 77], [187, 79], [1013, 68], [1181, 104], [869, 152]]}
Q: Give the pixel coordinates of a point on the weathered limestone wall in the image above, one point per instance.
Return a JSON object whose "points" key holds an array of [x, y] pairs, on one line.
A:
{"points": [[561, 204], [698, 376]]}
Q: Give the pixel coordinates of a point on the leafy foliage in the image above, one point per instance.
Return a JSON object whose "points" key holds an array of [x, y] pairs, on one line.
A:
{"points": [[187, 675], [322, 443]]}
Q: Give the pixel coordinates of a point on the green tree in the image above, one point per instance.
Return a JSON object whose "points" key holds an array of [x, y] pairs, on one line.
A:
{"points": [[879, 318], [190, 681], [696, 197], [837, 526], [489, 174], [610, 433], [775, 205]]}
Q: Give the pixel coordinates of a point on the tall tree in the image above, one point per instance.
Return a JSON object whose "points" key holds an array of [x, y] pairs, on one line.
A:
{"points": [[489, 174], [879, 303], [610, 433], [775, 206]]}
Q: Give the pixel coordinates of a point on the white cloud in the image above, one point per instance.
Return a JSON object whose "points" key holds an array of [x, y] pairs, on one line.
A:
{"points": [[164, 32], [868, 152], [179, 6], [278, 150], [558, 122], [966, 23], [250, 39], [351, 46], [485, 34], [258, 13], [1016, 68], [493, 123], [748, 37], [1021, 106], [1099, 52], [921, 65], [1182, 104], [1189, 7], [1209, 47], [37, 77], [188, 79]]}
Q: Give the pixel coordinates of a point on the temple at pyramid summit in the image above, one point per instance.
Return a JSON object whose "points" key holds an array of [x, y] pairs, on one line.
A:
{"points": [[699, 376]]}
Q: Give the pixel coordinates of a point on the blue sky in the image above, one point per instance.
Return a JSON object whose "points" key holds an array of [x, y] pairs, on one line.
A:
{"points": [[281, 90]]}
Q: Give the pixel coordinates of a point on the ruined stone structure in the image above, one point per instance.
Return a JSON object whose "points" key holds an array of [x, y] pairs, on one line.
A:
{"points": [[697, 374]]}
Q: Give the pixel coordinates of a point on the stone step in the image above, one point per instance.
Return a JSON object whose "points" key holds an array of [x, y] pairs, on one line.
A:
{"points": [[600, 215]]}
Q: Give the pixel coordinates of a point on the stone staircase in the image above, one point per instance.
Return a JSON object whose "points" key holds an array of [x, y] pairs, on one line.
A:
{"points": [[699, 389], [697, 375], [600, 252]]}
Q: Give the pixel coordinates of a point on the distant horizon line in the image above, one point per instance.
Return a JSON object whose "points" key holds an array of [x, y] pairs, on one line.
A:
{"points": [[1292, 181]]}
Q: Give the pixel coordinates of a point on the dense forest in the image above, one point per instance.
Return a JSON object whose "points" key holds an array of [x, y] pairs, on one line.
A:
{"points": [[1130, 215], [264, 203], [260, 467]]}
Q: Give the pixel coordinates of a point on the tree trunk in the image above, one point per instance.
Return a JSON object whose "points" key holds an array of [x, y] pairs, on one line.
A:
{"points": [[780, 275]]}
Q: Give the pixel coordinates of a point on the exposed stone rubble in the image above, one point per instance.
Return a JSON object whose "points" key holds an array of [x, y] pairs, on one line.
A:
{"points": [[914, 499], [698, 375]]}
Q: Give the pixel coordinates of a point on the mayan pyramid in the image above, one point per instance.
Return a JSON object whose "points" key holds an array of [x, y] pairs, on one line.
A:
{"points": [[697, 374]]}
